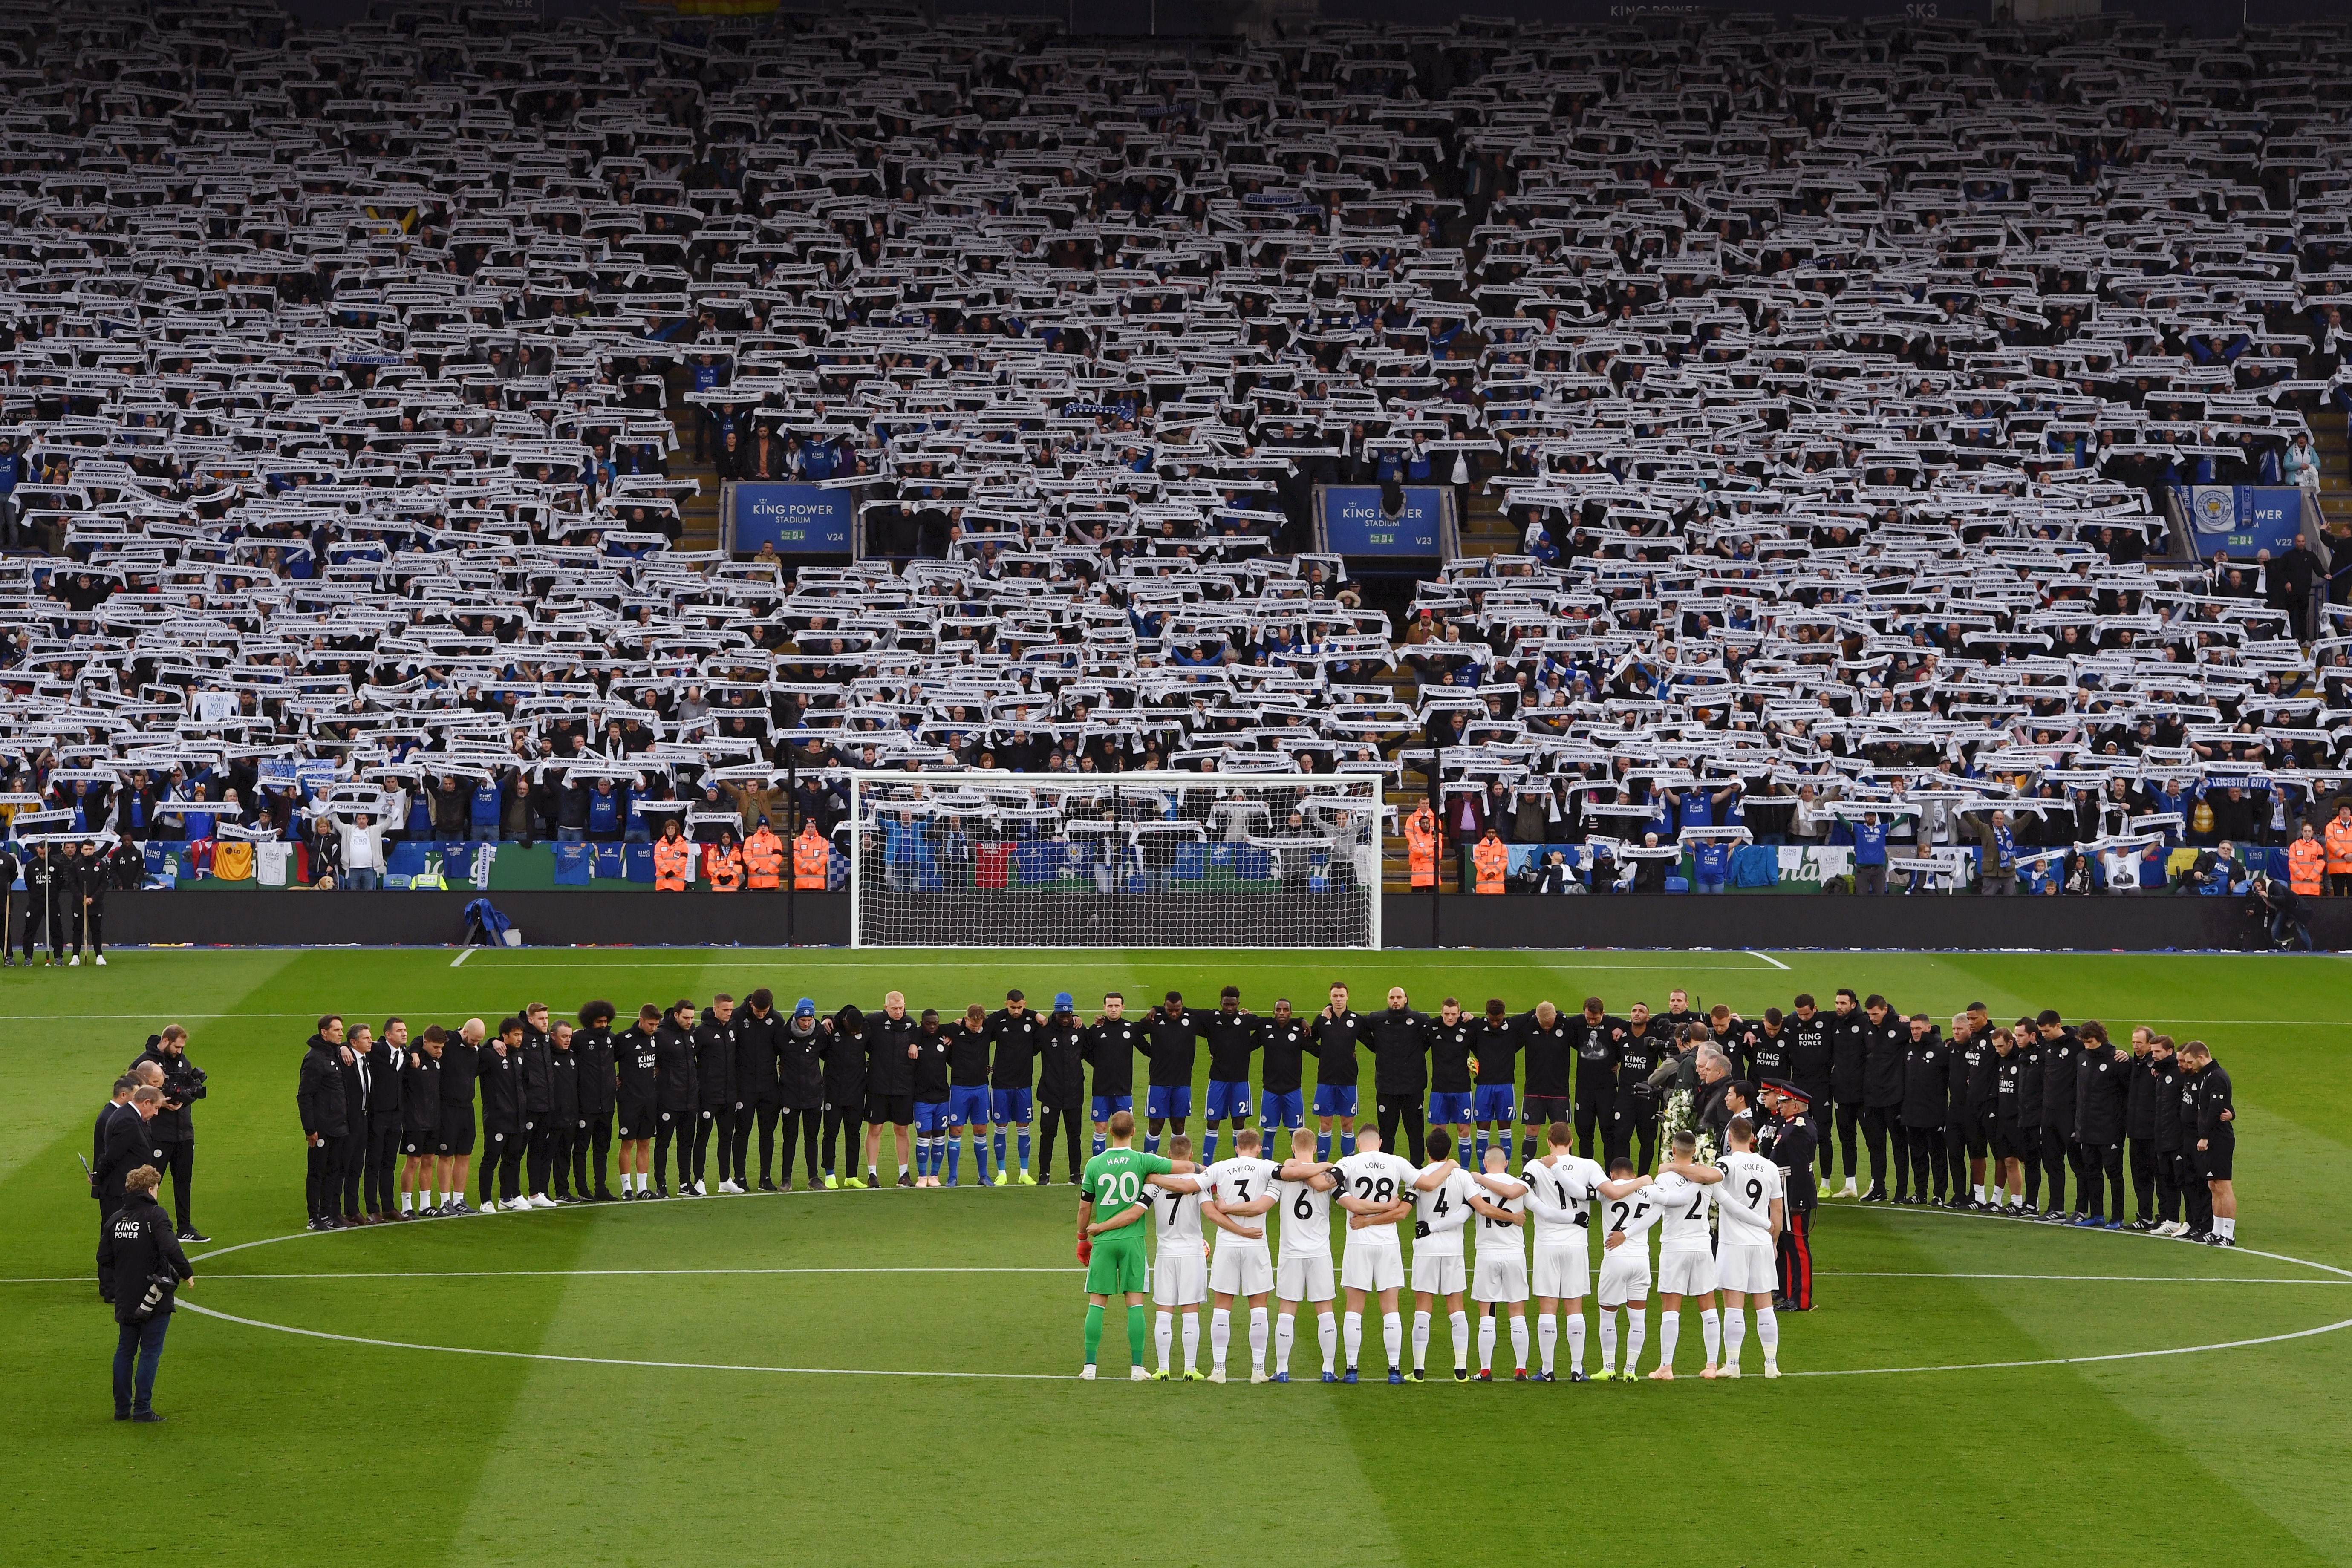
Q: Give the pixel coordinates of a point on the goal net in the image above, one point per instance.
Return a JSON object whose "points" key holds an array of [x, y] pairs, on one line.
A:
{"points": [[1174, 860]]}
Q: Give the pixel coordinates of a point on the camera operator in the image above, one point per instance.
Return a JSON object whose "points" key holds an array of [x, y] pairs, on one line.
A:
{"points": [[176, 1125], [141, 1270]]}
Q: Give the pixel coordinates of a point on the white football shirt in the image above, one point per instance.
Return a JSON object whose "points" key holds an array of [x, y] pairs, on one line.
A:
{"points": [[1445, 1209], [1681, 1214], [1494, 1233], [1242, 1179], [1306, 1219], [1177, 1215], [1377, 1178], [1564, 1190], [1750, 1183]]}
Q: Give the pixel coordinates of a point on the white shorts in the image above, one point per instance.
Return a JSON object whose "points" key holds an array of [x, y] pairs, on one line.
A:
{"points": [[1437, 1273], [1180, 1278], [1372, 1268], [1748, 1270], [1500, 1276], [1304, 1277], [1244, 1270], [1563, 1272], [1685, 1274], [1626, 1281]]}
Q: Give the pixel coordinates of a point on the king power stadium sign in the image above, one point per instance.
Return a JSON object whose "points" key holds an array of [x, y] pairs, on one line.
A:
{"points": [[794, 520]]}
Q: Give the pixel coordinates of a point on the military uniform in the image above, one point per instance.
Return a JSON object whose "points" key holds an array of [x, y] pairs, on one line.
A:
{"points": [[1792, 1142]]}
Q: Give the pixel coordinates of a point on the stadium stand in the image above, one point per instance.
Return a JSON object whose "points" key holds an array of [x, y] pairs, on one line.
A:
{"points": [[1833, 412]]}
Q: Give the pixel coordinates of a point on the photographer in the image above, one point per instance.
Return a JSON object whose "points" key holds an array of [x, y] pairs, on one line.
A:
{"points": [[141, 1270], [176, 1125], [2281, 909]]}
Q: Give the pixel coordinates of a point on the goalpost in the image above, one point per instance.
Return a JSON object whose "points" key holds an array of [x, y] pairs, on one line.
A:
{"points": [[973, 859]]}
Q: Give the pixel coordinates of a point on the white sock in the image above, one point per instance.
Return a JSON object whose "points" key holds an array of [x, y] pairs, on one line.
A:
{"points": [[1637, 1329], [1192, 1341], [1710, 1328], [1608, 1339], [1420, 1341], [406, 1202], [1575, 1340], [1327, 1332], [1486, 1343], [1164, 1333], [1354, 1336], [1670, 1334], [1519, 1342], [1221, 1334], [1257, 1332], [1460, 1324], [1547, 1338], [2226, 1228], [1735, 1334], [1285, 1328], [1768, 1334], [1980, 1192], [432, 1197], [1393, 1338]]}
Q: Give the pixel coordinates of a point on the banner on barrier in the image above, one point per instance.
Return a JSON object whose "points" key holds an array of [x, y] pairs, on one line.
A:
{"points": [[1350, 521], [2242, 519], [794, 519]]}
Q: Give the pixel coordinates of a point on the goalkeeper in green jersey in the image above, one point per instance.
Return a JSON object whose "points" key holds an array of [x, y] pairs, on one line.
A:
{"points": [[1111, 1208]]}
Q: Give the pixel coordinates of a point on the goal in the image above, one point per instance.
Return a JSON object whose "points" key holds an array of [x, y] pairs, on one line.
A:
{"points": [[1138, 859]]}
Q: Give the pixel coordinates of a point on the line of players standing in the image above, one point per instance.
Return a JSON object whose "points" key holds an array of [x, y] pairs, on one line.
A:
{"points": [[697, 1080], [63, 906]]}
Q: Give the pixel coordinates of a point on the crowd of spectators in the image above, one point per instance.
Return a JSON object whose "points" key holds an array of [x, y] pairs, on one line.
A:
{"points": [[1832, 379]]}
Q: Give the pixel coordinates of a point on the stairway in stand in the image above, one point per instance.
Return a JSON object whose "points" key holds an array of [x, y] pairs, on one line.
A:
{"points": [[698, 513]]}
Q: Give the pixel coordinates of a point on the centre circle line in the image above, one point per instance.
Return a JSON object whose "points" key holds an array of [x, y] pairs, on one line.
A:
{"points": [[2342, 1274]]}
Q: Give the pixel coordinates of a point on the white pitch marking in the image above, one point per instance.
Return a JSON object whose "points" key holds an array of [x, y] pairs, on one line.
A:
{"points": [[632, 1273], [616, 1361], [1768, 958], [1056, 1377], [1049, 1377], [463, 954], [1930, 1274], [2078, 1360], [590, 1274]]}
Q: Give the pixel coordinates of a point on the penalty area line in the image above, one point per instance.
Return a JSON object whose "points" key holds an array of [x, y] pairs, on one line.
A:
{"points": [[1768, 958]]}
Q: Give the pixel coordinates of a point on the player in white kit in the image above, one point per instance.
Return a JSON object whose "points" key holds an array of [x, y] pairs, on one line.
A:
{"points": [[1235, 1195], [1684, 1193], [1624, 1271], [1498, 1278], [1180, 1273], [1302, 1271], [1561, 1188], [1751, 1200], [1441, 1209], [1375, 1189]]}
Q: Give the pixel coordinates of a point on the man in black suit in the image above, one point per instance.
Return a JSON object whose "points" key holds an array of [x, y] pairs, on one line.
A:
{"points": [[325, 1121], [387, 1066], [118, 1106], [106, 1115], [129, 1146], [359, 1095]]}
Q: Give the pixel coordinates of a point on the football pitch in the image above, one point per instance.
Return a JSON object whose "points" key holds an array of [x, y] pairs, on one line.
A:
{"points": [[889, 1377]]}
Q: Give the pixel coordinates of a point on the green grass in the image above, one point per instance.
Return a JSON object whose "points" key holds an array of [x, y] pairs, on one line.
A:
{"points": [[286, 1448]]}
